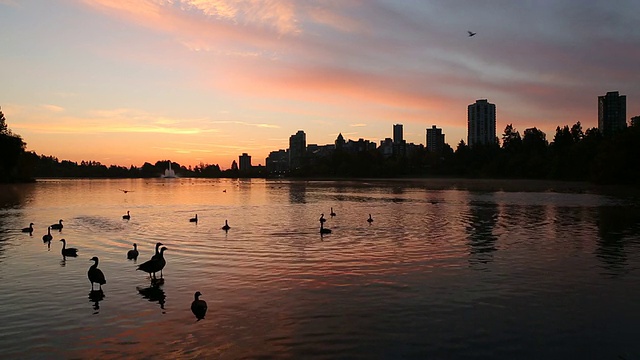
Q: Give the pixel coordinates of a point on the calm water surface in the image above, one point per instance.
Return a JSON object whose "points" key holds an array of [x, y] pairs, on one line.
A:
{"points": [[443, 272]]}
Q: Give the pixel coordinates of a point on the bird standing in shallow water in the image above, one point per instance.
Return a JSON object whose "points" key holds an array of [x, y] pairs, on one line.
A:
{"points": [[157, 263], [96, 275], [28, 229], [226, 226], [133, 254], [127, 217], [194, 219], [73, 252], [57, 226], [370, 219], [47, 237], [198, 307]]}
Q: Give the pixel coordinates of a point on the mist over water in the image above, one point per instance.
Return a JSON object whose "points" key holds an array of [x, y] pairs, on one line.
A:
{"points": [[466, 271]]}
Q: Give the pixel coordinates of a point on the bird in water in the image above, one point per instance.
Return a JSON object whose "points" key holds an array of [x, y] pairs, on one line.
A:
{"points": [[154, 265], [133, 254], [194, 219], [324, 230], [96, 275], [28, 229], [47, 237], [57, 226], [198, 307], [332, 213], [127, 217], [322, 219], [73, 252], [226, 226], [370, 219]]}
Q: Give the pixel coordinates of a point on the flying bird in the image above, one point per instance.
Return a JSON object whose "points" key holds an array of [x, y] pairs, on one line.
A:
{"points": [[471, 33]]}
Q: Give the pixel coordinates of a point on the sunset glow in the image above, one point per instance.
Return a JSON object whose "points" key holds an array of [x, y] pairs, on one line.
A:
{"points": [[128, 81]]}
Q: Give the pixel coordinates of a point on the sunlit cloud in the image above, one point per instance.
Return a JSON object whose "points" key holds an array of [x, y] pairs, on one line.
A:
{"points": [[358, 125], [53, 108]]}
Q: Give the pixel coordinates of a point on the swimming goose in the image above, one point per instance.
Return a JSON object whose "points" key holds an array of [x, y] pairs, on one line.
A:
{"points": [[194, 219], [198, 307], [68, 251], [323, 230], [322, 219], [126, 217], [370, 220], [28, 229], [95, 275], [226, 226], [57, 226], [133, 254], [47, 237], [332, 213]]}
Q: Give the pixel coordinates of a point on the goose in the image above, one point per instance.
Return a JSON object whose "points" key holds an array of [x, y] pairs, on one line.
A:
{"points": [[323, 230], [47, 237], [157, 253], [126, 217], [332, 213], [370, 219], [322, 219], [154, 265], [226, 226], [28, 229], [68, 251], [133, 254], [96, 275], [198, 307], [194, 219], [57, 226]]}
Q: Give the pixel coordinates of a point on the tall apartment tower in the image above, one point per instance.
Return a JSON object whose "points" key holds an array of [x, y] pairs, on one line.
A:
{"points": [[397, 134], [245, 162], [481, 123], [435, 139], [612, 113], [297, 149]]}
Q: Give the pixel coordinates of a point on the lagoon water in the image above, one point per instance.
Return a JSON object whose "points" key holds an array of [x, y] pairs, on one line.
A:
{"points": [[446, 270]]}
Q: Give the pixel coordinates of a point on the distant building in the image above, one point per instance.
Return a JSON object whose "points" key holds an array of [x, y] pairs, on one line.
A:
{"points": [[340, 142], [635, 121], [397, 134], [277, 162], [435, 139], [386, 147], [297, 149], [234, 165], [612, 113], [481, 123], [245, 162]]}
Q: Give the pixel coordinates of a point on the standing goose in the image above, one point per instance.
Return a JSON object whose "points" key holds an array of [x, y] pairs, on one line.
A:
{"points": [[47, 237], [57, 226], [95, 275], [154, 265], [226, 226], [370, 219], [194, 219], [332, 213], [161, 262], [133, 254], [126, 217], [28, 229], [73, 252], [198, 307]]}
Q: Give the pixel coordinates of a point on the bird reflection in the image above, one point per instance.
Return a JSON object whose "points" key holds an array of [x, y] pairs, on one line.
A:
{"points": [[95, 296], [154, 293]]}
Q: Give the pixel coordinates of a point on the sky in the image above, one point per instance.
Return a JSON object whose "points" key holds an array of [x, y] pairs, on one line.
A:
{"points": [[203, 81]]}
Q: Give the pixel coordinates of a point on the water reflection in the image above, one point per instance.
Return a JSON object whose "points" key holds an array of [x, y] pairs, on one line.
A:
{"points": [[297, 192], [482, 219], [15, 195], [154, 292], [95, 296], [615, 226]]}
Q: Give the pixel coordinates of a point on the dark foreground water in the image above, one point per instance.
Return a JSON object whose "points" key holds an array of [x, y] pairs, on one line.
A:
{"points": [[445, 271]]}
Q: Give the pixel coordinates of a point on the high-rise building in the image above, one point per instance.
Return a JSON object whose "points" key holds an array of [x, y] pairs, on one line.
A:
{"points": [[297, 149], [397, 134], [245, 162], [612, 113], [635, 121], [278, 161], [435, 139], [481, 123]]}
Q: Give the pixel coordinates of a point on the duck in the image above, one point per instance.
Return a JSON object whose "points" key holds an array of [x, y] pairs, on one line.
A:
{"points": [[68, 251], [226, 226], [28, 229], [370, 219], [322, 219], [47, 237], [133, 254], [198, 307], [126, 217], [194, 219], [324, 230], [57, 226], [96, 275], [154, 265], [332, 213]]}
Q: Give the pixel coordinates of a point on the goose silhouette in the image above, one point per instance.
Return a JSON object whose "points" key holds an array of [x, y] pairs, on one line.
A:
{"points": [[226, 226], [198, 307], [57, 226], [324, 230], [47, 237], [126, 217], [332, 213], [154, 265], [370, 219], [28, 229], [96, 275], [73, 252], [194, 219], [133, 254], [322, 219]]}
